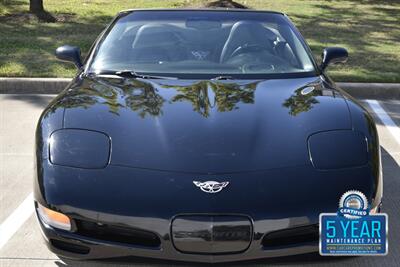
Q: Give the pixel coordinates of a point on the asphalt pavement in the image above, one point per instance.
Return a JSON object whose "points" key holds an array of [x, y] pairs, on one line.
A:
{"points": [[21, 243]]}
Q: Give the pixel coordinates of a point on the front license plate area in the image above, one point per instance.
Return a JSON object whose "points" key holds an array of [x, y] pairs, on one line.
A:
{"points": [[211, 234]]}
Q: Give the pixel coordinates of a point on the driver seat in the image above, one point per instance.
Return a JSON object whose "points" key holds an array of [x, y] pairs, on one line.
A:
{"points": [[247, 32]]}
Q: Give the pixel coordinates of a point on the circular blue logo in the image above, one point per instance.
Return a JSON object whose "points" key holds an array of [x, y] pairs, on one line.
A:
{"points": [[353, 205]]}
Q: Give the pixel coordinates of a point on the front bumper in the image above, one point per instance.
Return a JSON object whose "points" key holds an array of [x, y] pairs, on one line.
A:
{"points": [[280, 204], [75, 246]]}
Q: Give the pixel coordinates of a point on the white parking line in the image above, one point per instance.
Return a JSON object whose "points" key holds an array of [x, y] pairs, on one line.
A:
{"points": [[16, 220], [385, 118]]}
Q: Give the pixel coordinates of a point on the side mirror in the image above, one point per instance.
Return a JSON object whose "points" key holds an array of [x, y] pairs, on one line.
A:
{"points": [[71, 54], [333, 55]]}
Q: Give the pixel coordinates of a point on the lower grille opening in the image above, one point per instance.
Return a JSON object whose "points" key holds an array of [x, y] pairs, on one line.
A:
{"points": [[118, 234], [69, 247], [291, 237]]}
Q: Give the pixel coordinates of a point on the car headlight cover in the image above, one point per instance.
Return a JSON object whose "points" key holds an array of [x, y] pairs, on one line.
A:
{"points": [[79, 148], [338, 149]]}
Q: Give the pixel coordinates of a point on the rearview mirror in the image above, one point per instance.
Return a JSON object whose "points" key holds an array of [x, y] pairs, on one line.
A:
{"points": [[71, 54], [333, 55]]}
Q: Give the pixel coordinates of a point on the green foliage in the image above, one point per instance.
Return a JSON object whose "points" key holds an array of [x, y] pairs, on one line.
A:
{"points": [[369, 29]]}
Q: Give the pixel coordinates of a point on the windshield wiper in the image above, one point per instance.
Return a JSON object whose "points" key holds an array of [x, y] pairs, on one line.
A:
{"points": [[223, 77], [131, 74]]}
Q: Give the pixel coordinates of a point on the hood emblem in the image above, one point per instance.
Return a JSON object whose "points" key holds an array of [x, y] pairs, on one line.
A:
{"points": [[211, 186]]}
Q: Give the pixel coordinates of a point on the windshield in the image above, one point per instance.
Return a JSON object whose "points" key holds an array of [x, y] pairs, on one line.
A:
{"points": [[217, 43]]}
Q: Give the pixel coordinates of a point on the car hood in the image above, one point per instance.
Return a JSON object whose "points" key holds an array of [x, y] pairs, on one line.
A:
{"points": [[204, 126]]}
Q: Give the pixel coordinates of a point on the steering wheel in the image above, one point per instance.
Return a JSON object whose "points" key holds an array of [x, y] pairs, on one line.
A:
{"points": [[246, 48]]}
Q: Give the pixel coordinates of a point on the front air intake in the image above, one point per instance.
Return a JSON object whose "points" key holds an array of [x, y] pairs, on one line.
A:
{"points": [[291, 237], [70, 247], [120, 234]]}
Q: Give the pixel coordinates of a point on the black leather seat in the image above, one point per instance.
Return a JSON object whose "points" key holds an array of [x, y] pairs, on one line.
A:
{"points": [[156, 42], [247, 33]]}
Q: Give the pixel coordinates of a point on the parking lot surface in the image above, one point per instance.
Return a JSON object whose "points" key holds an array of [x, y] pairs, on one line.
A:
{"points": [[21, 243]]}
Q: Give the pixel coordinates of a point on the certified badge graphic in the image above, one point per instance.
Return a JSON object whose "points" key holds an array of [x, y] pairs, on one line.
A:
{"points": [[353, 230], [353, 205]]}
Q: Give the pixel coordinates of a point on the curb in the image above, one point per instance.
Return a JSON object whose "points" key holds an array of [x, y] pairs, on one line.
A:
{"points": [[372, 90], [33, 85], [56, 85]]}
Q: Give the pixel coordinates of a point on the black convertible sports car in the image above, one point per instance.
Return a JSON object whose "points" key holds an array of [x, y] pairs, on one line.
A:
{"points": [[199, 135]]}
